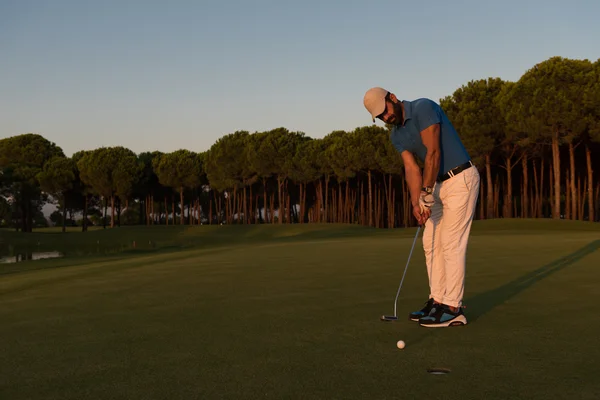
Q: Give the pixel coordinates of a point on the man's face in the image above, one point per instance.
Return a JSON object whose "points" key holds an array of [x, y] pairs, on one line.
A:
{"points": [[392, 114]]}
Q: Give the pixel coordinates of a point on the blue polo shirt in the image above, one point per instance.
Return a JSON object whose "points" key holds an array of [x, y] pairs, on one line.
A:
{"points": [[421, 114]]}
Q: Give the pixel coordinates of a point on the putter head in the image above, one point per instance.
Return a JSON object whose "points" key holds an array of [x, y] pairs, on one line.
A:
{"points": [[388, 318]]}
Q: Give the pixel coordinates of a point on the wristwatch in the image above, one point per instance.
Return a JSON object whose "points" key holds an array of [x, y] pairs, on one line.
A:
{"points": [[427, 189]]}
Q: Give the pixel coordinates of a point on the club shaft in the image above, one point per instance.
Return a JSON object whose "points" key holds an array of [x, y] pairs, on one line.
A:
{"points": [[405, 268]]}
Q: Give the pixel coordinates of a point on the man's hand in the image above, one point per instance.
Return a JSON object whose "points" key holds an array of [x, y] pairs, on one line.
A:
{"points": [[422, 210], [425, 201], [421, 217]]}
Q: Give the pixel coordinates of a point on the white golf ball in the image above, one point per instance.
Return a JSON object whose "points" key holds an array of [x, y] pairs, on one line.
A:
{"points": [[400, 344]]}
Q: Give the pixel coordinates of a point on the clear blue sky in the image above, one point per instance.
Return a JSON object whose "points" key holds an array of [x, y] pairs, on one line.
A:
{"points": [[164, 75]]}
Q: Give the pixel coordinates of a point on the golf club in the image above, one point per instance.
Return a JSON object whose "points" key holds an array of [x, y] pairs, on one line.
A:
{"points": [[395, 316]]}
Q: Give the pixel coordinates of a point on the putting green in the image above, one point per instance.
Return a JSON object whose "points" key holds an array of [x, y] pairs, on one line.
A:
{"points": [[293, 312]]}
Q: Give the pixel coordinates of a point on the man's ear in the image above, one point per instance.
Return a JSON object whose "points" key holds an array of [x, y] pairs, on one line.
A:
{"points": [[393, 98]]}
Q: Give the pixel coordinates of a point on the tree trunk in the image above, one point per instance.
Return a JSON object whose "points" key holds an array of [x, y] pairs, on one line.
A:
{"points": [[370, 201], [304, 187], [525, 195], [173, 205], [318, 206], [152, 207], [326, 204], [541, 205], [393, 208], [567, 196], [556, 160], [64, 225], [251, 207], [361, 203], [288, 215], [333, 212], [210, 210], [551, 188], [573, 182], [280, 203], [387, 198], [112, 210], [340, 205], [301, 211], [581, 198], [105, 212], [509, 193], [536, 188], [84, 222], [272, 208], [590, 179], [181, 220], [143, 206], [244, 207], [490, 187], [496, 196], [29, 216], [347, 200], [481, 202], [166, 211]]}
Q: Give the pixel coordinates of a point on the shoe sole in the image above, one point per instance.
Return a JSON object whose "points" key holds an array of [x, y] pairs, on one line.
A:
{"points": [[458, 321]]}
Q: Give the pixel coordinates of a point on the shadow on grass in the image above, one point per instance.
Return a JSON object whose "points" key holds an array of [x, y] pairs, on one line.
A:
{"points": [[483, 303]]}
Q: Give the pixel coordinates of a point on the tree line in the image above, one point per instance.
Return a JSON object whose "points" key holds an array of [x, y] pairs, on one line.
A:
{"points": [[533, 141]]}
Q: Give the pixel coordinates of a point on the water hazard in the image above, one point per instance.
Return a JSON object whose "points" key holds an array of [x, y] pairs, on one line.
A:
{"points": [[30, 256]]}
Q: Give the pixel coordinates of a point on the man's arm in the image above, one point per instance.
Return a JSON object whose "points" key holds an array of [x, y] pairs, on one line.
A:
{"points": [[431, 139], [413, 176]]}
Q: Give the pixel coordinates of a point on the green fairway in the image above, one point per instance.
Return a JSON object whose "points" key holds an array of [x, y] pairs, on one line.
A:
{"points": [[292, 312]]}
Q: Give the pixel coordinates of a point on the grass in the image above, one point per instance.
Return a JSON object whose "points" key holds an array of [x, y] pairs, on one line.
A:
{"points": [[247, 312]]}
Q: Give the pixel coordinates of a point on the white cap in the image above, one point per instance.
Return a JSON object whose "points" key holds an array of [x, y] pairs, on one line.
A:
{"points": [[374, 101]]}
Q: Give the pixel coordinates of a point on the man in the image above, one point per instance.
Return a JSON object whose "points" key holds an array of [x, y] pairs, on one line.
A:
{"points": [[443, 197]]}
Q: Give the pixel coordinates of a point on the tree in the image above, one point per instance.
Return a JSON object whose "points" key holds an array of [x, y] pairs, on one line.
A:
{"points": [[390, 163], [148, 186], [5, 212], [473, 111], [305, 170], [57, 178], [224, 167], [363, 157], [110, 172], [22, 158], [591, 104], [544, 103], [179, 170], [340, 155]]}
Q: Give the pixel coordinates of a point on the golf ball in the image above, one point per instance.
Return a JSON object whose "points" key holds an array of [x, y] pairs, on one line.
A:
{"points": [[400, 344]]}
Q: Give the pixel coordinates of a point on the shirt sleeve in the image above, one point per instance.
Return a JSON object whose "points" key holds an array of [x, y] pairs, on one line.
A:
{"points": [[427, 114], [396, 142]]}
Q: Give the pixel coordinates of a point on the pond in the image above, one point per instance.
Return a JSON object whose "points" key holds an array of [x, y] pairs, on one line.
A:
{"points": [[30, 256]]}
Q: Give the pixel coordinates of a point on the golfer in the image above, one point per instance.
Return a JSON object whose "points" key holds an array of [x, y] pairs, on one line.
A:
{"points": [[443, 197]]}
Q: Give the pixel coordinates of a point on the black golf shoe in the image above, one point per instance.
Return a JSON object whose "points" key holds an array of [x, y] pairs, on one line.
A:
{"points": [[416, 315], [442, 316]]}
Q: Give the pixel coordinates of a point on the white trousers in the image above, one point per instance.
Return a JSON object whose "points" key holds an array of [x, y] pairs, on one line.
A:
{"points": [[446, 235]]}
